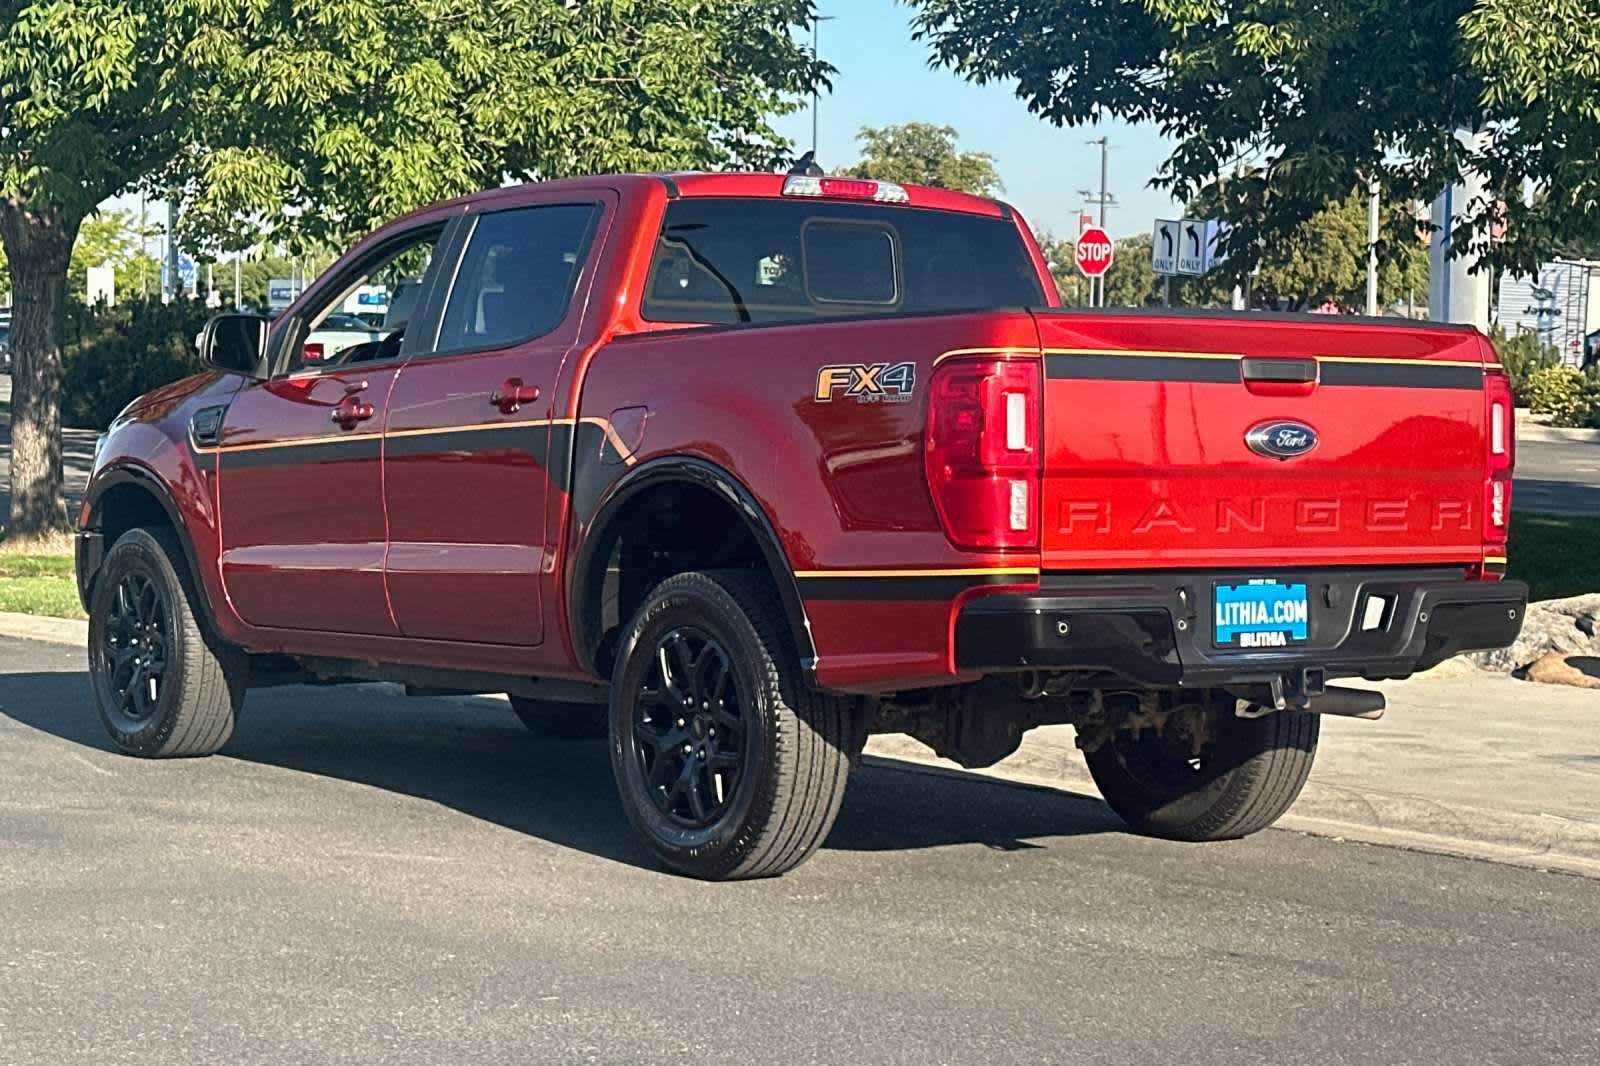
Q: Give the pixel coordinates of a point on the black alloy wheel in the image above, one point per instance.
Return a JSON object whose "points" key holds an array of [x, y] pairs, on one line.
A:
{"points": [[729, 764], [133, 654], [164, 686], [690, 735]]}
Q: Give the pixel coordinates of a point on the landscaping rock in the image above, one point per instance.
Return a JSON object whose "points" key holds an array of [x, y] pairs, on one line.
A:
{"points": [[1554, 669], [1560, 627]]}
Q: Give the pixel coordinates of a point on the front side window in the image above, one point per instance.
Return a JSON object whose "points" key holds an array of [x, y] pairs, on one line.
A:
{"points": [[727, 260], [334, 335], [517, 275]]}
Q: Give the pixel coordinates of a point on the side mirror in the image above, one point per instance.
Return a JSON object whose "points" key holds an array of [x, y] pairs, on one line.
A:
{"points": [[235, 344]]}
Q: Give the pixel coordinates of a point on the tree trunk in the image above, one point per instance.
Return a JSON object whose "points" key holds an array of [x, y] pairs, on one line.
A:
{"points": [[38, 247]]}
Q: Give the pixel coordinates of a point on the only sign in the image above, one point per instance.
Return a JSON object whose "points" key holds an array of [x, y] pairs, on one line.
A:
{"points": [[1095, 252]]}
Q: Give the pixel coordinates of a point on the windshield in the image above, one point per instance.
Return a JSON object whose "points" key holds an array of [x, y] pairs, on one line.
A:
{"points": [[731, 260]]}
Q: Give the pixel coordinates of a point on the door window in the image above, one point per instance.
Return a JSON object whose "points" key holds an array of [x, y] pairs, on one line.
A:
{"points": [[517, 276], [384, 289]]}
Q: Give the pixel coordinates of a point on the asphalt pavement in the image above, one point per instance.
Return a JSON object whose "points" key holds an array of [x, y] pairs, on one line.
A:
{"points": [[362, 877], [1557, 477]]}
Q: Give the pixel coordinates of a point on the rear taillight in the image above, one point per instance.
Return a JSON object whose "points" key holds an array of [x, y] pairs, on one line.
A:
{"points": [[1500, 453], [312, 353], [982, 451]]}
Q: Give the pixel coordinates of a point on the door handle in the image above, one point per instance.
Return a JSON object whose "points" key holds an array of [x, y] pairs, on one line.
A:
{"points": [[512, 394], [350, 411]]}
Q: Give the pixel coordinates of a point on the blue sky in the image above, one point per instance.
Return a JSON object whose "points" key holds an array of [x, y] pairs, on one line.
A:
{"points": [[884, 79]]}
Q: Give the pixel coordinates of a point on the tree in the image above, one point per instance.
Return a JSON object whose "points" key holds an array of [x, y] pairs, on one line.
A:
{"points": [[113, 237], [921, 153], [1316, 97], [308, 120], [1325, 260]]}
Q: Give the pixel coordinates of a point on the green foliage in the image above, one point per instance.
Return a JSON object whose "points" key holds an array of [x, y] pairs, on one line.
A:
{"points": [[1310, 98], [1569, 397], [320, 118], [921, 153], [1522, 356], [116, 354], [1325, 259]]}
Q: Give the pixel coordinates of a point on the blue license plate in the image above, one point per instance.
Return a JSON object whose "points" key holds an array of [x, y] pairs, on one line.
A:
{"points": [[1260, 614]]}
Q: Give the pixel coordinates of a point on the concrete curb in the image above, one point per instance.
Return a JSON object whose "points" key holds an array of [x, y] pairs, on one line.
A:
{"points": [[1557, 433], [36, 627], [1543, 842]]}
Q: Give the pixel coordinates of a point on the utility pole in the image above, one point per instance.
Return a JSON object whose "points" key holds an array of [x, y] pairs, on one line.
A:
{"points": [[1103, 201], [144, 246], [169, 290], [237, 256], [1372, 248]]}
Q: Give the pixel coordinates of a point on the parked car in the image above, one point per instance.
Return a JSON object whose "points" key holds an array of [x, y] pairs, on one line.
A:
{"points": [[737, 469], [5, 345], [335, 334]]}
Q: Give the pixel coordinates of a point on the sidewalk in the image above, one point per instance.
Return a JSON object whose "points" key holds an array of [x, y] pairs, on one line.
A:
{"points": [[1479, 765]]}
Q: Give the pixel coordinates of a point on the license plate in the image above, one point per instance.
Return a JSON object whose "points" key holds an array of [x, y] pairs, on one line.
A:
{"points": [[1260, 614]]}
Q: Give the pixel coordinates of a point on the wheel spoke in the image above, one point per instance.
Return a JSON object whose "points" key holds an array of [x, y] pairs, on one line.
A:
{"points": [[693, 770], [683, 660], [675, 694]]}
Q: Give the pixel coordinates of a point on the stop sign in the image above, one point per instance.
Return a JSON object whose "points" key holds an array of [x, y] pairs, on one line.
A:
{"points": [[1094, 252]]}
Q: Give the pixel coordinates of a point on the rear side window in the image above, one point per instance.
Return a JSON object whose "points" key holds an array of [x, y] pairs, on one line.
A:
{"points": [[731, 260], [516, 276]]}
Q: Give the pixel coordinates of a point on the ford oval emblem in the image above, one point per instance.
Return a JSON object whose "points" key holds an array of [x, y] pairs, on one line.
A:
{"points": [[1281, 439]]}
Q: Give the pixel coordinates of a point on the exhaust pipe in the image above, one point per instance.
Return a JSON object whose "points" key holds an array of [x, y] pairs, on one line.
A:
{"points": [[1348, 703], [1344, 702]]}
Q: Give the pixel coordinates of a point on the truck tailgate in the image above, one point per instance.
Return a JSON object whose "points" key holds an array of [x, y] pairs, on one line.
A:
{"points": [[1369, 442]]}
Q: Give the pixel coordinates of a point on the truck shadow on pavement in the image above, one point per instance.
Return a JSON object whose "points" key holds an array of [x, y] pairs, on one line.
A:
{"points": [[471, 755]]}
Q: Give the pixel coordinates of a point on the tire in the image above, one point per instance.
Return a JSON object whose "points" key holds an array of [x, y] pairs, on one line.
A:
{"points": [[141, 615], [758, 799], [553, 720], [1247, 777]]}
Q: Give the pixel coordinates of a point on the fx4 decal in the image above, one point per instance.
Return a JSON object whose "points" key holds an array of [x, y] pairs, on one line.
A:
{"points": [[867, 382]]}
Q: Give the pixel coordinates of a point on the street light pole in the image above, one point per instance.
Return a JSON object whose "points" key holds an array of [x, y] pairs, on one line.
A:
{"points": [[816, 22]]}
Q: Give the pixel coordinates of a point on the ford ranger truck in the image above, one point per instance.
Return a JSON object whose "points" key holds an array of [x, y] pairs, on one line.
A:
{"points": [[734, 470]]}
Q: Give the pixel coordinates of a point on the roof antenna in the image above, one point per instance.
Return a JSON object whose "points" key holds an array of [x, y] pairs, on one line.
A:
{"points": [[807, 165]]}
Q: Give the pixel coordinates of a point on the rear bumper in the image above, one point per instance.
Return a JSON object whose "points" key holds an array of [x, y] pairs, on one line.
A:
{"points": [[1153, 629]]}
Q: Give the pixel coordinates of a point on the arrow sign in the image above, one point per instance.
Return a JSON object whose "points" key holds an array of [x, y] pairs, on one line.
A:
{"points": [[1164, 246], [1094, 252], [1192, 248]]}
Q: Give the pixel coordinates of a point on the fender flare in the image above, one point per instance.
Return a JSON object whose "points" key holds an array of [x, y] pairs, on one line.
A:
{"points": [[88, 563], [692, 471]]}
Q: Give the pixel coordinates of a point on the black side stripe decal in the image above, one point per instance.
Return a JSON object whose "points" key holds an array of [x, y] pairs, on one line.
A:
{"points": [[542, 443], [900, 588], [1402, 375], [1141, 368], [1225, 370]]}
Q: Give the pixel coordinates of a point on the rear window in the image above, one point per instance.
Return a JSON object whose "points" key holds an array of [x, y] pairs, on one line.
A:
{"points": [[728, 261]]}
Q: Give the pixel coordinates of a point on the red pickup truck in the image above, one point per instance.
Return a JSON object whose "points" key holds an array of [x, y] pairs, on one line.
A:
{"points": [[737, 469]]}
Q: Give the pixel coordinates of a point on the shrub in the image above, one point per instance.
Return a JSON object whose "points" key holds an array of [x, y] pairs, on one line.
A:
{"points": [[115, 354], [1523, 356], [1570, 397]]}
